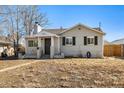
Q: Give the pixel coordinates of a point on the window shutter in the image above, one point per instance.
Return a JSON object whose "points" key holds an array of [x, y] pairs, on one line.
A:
{"points": [[96, 40], [63, 40], [74, 41], [85, 40]]}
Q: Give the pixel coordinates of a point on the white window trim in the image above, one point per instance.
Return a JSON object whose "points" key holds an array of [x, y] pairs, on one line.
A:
{"points": [[71, 41], [33, 45], [91, 37]]}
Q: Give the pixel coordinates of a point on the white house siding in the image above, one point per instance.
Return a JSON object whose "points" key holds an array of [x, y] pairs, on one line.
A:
{"points": [[80, 48], [31, 50], [56, 45], [42, 46]]}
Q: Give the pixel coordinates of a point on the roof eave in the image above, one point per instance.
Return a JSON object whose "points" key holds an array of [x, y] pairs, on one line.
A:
{"points": [[84, 26]]}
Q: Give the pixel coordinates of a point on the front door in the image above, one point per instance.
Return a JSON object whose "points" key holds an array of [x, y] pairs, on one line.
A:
{"points": [[47, 46]]}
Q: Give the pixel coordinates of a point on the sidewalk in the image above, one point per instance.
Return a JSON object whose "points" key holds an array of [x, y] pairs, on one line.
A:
{"points": [[18, 66]]}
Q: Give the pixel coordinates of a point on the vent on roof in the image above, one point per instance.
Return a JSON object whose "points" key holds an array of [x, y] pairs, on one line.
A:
{"points": [[79, 28]]}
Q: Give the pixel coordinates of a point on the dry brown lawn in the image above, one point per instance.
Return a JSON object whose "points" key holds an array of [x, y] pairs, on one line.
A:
{"points": [[10, 63], [76, 72]]}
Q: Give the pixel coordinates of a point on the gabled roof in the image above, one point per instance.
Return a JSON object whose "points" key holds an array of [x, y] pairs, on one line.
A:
{"points": [[119, 41], [93, 29], [59, 31], [5, 40], [54, 31], [42, 34], [97, 28]]}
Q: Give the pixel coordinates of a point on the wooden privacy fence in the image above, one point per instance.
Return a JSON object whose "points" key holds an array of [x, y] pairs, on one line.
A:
{"points": [[114, 50]]}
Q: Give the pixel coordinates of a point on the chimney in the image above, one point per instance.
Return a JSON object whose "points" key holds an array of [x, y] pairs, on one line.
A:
{"points": [[37, 28]]}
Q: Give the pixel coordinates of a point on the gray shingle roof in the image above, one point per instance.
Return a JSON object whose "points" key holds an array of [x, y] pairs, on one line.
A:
{"points": [[58, 31], [54, 31], [107, 42], [97, 28], [119, 41], [4, 40]]}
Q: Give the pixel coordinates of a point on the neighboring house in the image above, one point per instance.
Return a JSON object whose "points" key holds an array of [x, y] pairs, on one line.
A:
{"points": [[114, 48], [119, 41], [107, 42], [5, 43], [75, 41]]}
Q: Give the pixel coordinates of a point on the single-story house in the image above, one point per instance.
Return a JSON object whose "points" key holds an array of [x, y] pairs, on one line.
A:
{"points": [[78, 40], [119, 41]]}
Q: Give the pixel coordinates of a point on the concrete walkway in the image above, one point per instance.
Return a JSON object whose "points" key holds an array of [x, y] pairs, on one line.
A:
{"points": [[18, 66]]}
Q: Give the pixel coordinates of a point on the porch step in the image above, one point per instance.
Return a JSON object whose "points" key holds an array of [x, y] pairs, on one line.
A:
{"points": [[45, 56], [30, 56]]}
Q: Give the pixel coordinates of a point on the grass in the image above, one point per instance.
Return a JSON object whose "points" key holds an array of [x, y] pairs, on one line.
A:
{"points": [[74, 72]]}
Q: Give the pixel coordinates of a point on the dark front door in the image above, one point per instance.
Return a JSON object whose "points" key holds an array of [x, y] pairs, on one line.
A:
{"points": [[47, 46]]}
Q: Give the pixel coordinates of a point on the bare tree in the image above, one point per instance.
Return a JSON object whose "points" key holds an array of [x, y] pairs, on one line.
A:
{"points": [[19, 20], [31, 16], [10, 18]]}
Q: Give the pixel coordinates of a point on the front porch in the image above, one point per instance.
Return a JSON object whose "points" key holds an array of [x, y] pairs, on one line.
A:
{"points": [[43, 45], [47, 47]]}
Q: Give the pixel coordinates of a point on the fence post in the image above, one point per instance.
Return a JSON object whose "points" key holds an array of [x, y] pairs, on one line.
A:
{"points": [[122, 50], [112, 50]]}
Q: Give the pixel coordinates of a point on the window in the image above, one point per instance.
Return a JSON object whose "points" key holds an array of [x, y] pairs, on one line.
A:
{"points": [[32, 43], [90, 40], [35, 43], [68, 41]]}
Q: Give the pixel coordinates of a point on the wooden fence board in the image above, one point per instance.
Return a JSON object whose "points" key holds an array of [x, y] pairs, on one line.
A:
{"points": [[113, 50]]}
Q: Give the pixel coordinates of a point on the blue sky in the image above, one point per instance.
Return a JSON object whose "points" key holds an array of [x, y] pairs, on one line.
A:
{"points": [[111, 18]]}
